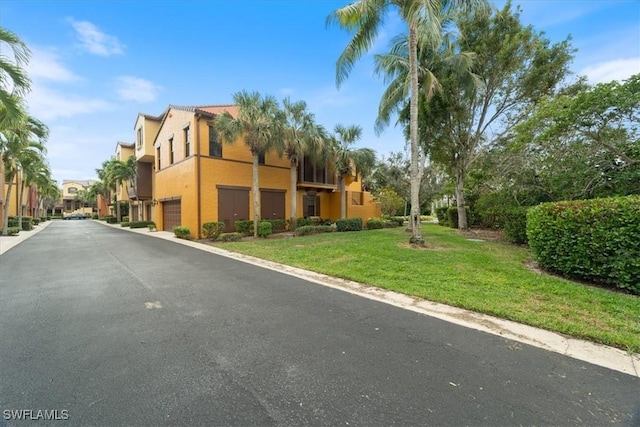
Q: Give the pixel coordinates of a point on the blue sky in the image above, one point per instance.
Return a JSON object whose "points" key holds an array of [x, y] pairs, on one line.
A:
{"points": [[97, 64]]}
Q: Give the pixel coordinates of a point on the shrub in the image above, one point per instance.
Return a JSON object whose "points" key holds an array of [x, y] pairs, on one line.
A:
{"points": [[452, 216], [182, 232], [94, 216], [124, 224], [398, 220], [212, 230], [152, 226], [441, 214], [375, 224], [515, 225], [27, 223], [230, 237], [595, 240], [349, 224], [279, 225], [305, 230], [110, 219], [43, 219], [125, 218], [56, 217], [141, 224], [264, 228], [303, 222], [12, 231], [244, 227]]}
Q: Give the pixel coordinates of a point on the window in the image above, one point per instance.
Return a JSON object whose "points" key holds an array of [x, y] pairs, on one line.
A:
{"points": [[139, 137], [158, 156], [215, 147], [261, 158], [72, 190], [68, 205], [170, 151], [187, 143], [311, 205]]}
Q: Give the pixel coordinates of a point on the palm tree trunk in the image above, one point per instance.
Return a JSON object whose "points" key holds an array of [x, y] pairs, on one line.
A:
{"points": [[343, 196], [5, 220], [256, 195], [20, 196], [416, 171], [293, 180]]}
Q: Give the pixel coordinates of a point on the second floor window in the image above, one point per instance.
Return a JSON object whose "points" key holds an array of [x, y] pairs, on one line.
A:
{"points": [[171, 151], [187, 143], [72, 190], [215, 147], [158, 156], [261, 158], [139, 138]]}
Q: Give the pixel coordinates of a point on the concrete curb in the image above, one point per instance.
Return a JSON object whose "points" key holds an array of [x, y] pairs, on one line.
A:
{"points": [[587, 351]]}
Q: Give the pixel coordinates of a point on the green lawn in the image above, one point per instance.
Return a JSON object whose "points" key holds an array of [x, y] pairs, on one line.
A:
{"points": [[485, 277]]}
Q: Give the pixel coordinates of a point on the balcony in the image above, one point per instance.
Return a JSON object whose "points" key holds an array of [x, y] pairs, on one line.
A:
{"points": [[312, 176], [144, 183]]}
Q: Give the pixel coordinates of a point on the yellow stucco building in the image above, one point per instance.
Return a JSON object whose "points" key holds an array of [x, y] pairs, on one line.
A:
{"points": [[187, 176]]}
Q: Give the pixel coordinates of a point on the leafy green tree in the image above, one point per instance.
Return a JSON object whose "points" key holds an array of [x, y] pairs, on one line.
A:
{"points": [[300, 136], [424, 23], [516, 67], [258, 123], [349, 161], [586, 143], [390, 202]]}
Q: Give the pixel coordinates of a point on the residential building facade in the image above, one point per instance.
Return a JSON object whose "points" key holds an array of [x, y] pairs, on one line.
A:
{"points": [[187, 176]]}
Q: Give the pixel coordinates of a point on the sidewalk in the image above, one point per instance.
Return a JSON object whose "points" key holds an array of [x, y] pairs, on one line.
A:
{"points": [[596, 354], [8, 242]]}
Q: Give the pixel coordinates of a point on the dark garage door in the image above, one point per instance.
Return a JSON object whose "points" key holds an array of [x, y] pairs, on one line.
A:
{"points": [[171, 214], [272, 204], [233, 205]]}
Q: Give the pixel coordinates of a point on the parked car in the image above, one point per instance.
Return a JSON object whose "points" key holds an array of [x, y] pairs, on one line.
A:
{"points": [[75, 216]]}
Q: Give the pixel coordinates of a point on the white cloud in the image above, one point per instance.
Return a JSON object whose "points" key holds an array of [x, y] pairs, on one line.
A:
{"points": [[95, 41], [46, 65], [137, 89], [48, 104], [618, 69]]}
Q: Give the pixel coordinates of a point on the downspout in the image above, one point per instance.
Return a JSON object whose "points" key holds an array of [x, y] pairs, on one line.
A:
{"points": [[196, 138]]}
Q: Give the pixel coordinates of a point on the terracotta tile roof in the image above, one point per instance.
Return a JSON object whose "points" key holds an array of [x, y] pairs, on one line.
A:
{"points": [[84, 182], [217, 109]]}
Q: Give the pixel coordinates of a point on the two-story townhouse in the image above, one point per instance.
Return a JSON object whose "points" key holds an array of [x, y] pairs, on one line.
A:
{"points": [[146, 129], [122, 153], [71, 204], [197, 178]]}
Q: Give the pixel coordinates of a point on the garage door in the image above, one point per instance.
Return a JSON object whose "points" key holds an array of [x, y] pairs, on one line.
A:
{"points": [[171, 214], [233, 205], [272, 204]]}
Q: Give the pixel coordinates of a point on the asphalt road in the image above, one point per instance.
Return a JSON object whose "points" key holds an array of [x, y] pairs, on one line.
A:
{"points": [[116, 328]]}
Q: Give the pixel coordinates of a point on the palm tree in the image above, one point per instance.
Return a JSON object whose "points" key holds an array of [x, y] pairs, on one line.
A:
{"points": [[258, 123], [22, 139], [300, 136], [98, 188], [349, 161], [12, 75], [424, 22], [115, 173], [49, 194], [34, 168]]}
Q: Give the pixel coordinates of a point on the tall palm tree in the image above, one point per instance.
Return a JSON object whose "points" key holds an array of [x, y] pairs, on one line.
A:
{"points": [[22, 140], [115, 173], [258, 123], [48, 194], [424, 23], [12, 75], [349, 161], [98, 188], [300, 136], [34, 168]]}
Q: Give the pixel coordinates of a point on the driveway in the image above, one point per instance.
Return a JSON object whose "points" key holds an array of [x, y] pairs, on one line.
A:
{"points": [[118, 328]]}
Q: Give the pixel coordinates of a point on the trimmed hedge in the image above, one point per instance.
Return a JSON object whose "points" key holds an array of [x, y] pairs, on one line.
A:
{"points": [[35, 220], [141, 224], [230, 237], [264, 229], [124, 224], [306, 230], [212, 230], [125, 218], [11, 231], [244, 227], [94, 216], [349, 224], [182, 232], [375, 224], [596, 240], [515, 225], [110, 219]]}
